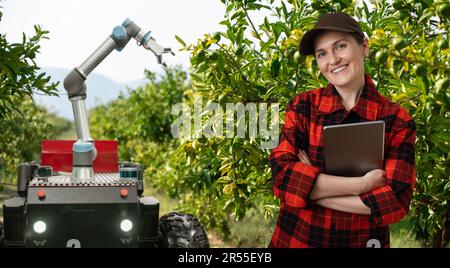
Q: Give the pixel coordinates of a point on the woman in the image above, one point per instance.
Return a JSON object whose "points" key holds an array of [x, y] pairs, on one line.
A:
{"points": [[321, 210]]}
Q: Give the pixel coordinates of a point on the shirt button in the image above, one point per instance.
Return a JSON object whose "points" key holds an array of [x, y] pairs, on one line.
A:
{"points": [[377, 220]]}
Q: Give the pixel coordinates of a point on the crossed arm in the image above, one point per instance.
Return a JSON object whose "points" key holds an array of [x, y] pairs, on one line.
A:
{"points": [[342, 193], [384, 195]]}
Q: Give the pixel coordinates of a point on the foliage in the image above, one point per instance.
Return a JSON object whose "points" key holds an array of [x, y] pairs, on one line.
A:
{"points": [[220, 179], [19, 74], [140, 121], [260, 63], [145, 114], [23, 124], [22, 133]]}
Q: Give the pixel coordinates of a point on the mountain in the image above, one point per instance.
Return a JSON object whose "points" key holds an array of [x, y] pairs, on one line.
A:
{"points": [[100, 90]]}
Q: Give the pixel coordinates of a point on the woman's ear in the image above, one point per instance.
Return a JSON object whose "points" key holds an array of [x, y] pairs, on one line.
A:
{"points": [[365, 45]]}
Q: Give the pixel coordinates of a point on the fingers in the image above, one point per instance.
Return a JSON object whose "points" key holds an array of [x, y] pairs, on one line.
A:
{"points": [[304, 157], [377, 172], [382, 180], [301, 157]]}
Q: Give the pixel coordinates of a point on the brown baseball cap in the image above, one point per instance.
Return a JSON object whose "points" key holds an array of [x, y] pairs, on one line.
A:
{"points": [[340, 22]]}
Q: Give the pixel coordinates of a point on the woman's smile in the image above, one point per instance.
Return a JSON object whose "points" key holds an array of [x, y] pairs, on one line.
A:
{"points": [[339, 70]]}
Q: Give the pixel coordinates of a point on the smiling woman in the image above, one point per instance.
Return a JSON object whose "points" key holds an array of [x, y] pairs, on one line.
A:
{"points": [[340, 59], [320, 209]]}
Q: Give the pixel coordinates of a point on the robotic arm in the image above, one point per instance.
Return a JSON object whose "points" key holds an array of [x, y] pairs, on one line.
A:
{"points": [[74, 81], [75, 85]]}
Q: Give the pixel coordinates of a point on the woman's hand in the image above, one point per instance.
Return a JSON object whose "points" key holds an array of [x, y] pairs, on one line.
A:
{"points": [[350, 185], [304, 157], [372, 180]]}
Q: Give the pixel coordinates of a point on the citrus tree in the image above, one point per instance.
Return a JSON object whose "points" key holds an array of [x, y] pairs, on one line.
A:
{"points": [[23, 124], [141, 114], [22, 133], [19, 74], [140, 121], [253, 62]]}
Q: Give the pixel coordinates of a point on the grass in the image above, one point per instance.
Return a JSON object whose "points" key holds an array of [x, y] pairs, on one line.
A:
{"points": [[166, 204], [253, 231], [401, 237]]}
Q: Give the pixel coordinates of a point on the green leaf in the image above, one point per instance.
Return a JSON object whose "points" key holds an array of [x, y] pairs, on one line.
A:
{"points": [[220, 63], [425, 16], [275, 67], [196, 77], [225, 22], [180, 40], [366, 9], [285, 12], [231, 35], [266, 23], [229, 7]]}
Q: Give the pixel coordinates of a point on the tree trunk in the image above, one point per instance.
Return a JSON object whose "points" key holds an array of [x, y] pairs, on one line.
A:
{"points": [[437, 239], [446, 235]]}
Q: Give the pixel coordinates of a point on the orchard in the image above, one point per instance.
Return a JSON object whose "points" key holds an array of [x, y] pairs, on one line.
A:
{"points": [[23, 123], [253, 61], [219, 178], [409, 60]]}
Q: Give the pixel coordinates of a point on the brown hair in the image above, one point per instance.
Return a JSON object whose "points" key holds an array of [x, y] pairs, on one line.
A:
{"points": [[359, 39]]}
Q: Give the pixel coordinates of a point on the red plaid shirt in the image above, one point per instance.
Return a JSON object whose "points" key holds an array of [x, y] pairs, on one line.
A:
{"points": [[301, 223]]}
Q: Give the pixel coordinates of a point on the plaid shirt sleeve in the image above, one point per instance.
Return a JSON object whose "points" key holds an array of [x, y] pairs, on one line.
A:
{"points": [[390, 203], [293, 181]]}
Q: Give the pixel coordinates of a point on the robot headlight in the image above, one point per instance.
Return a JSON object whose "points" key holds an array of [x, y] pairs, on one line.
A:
{"points": [[126, 225], [39, 227]]}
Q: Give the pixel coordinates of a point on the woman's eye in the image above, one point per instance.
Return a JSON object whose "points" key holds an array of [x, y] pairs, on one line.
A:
{"points": [[320, 54], [341, 46]]}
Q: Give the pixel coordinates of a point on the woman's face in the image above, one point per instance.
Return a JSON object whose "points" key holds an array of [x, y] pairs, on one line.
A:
{"points": [[341, 59]]}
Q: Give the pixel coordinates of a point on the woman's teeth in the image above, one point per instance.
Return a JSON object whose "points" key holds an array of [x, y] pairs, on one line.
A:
{"points": [[339, 69]]}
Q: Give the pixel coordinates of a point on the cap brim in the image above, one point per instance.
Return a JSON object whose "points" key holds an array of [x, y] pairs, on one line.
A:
{"points": [[307, 41]]}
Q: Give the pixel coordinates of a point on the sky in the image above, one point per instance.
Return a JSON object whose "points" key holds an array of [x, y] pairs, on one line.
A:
{"points": [[78, 27]]}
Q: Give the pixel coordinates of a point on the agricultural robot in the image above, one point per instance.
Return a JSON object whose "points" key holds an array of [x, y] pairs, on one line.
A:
{"points": [[80, 195]]}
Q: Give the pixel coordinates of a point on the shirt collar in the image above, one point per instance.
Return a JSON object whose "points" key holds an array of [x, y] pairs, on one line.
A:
{"points": [[367, 106]]}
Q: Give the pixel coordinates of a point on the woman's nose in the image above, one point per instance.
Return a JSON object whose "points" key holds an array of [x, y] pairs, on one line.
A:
{"points": [[333, 59]]}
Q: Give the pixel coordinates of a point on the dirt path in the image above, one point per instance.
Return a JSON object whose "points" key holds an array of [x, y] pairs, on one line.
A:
{"points": [[216, 242]]}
